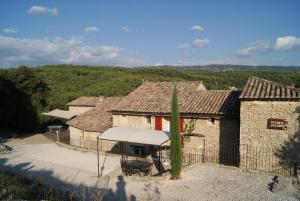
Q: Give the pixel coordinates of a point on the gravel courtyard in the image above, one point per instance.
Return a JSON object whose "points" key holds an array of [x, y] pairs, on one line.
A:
{"points": [[59, 166]]}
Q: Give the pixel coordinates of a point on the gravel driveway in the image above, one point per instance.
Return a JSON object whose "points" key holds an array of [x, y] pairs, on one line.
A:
{"points": [[50, 163], [62, 166], [202, 182]]}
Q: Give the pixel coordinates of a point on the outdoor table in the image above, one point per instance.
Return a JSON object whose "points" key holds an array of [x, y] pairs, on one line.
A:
{"points": [[130, 167]]}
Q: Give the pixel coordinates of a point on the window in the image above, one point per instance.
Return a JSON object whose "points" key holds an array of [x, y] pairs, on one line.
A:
{"points": [[137, 150], [148, 119], [212, 120]]}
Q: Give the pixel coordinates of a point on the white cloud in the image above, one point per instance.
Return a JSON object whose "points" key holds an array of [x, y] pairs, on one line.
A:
{"points": [[220, 60], [194, 44], [18, 51], [200, 42], [184, 46], [10, 30], [158, 64], [254, 48], [197, 28], [42, 10], [91, 29], [277, 59], [287, 43], [125, 29]]}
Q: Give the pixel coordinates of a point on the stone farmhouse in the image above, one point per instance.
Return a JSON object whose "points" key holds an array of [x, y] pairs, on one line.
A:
{"points": [[214, 113], [261, 120]]}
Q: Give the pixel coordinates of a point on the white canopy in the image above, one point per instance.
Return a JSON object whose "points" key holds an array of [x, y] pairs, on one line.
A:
{"points": [[65, 114], [136, 135]]}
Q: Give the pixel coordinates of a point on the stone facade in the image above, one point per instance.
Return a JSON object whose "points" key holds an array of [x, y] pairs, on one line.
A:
{"points": [[210, 129], [80, 109], [88, 139], [81, 138], [260, 147]]}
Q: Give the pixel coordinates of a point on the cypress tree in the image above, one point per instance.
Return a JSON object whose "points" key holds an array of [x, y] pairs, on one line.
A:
{"points": [[176, 152]]}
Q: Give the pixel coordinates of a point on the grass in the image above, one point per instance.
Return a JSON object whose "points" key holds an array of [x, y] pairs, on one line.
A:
{"points": [[13, 187]]}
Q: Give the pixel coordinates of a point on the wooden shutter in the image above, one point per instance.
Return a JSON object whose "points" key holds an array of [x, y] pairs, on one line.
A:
{"points": [[181, 125], [158, 123]]}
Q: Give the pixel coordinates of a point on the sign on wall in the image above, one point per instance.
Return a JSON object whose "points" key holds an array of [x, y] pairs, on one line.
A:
{"points": [[277, 124]]}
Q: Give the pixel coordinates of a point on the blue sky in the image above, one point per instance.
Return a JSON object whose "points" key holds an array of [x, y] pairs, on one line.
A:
{"points": [[139, 33]]}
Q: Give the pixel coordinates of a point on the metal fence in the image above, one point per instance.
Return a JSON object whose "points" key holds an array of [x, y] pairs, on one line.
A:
{"points": [[266, 160], [61, 136], [212, 152], [248, 158]]}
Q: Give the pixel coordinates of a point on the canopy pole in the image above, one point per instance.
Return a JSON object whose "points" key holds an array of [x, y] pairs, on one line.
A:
{"points": [[159, 157], [98, 156], [126, 146]]}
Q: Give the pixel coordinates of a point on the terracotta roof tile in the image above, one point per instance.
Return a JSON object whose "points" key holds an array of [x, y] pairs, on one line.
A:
{"points": [[85, 101], [155, 97], [97, 119], [261, 89]]}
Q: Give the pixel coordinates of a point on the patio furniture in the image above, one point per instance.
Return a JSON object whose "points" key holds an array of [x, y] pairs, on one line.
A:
{"points": [[133, 167], [138, 136]]}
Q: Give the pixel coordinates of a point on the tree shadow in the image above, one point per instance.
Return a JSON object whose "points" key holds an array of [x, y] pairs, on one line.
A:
{"points": [[229, 141], [44, 185], [16, 109], [289, 153]]}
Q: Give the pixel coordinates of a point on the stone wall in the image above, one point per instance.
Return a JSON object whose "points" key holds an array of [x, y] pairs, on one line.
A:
{"points": [[131, 121], [79, 109], [210, 129], [81, 138], [261, 147], [88, 139], [76, 136]]}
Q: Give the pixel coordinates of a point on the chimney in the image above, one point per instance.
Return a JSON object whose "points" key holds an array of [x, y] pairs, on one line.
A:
{"points": [[233, 88]]}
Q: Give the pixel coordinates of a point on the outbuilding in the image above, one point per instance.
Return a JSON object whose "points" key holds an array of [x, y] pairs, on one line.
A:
{"points": [[269, 125], [85, 127]]}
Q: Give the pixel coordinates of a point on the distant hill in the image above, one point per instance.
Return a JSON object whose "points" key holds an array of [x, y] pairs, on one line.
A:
{"points": [[229, 67], [67, 82]]}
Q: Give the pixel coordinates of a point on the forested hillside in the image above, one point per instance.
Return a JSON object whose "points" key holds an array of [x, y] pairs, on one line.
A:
{"points": [[69, 82], [52, 87]]}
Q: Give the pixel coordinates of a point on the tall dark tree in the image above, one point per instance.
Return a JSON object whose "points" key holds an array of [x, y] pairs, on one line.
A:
{"points": [[23, 97], [176, 151]]}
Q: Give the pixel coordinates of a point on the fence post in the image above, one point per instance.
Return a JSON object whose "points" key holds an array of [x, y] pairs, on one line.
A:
{"points": [[57, 137], [296, 170], [98, 156], [246, 158], [203, 159]]}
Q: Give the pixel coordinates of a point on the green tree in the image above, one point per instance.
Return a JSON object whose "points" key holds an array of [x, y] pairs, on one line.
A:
{"points": [[23, 98], [176, 152]]}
